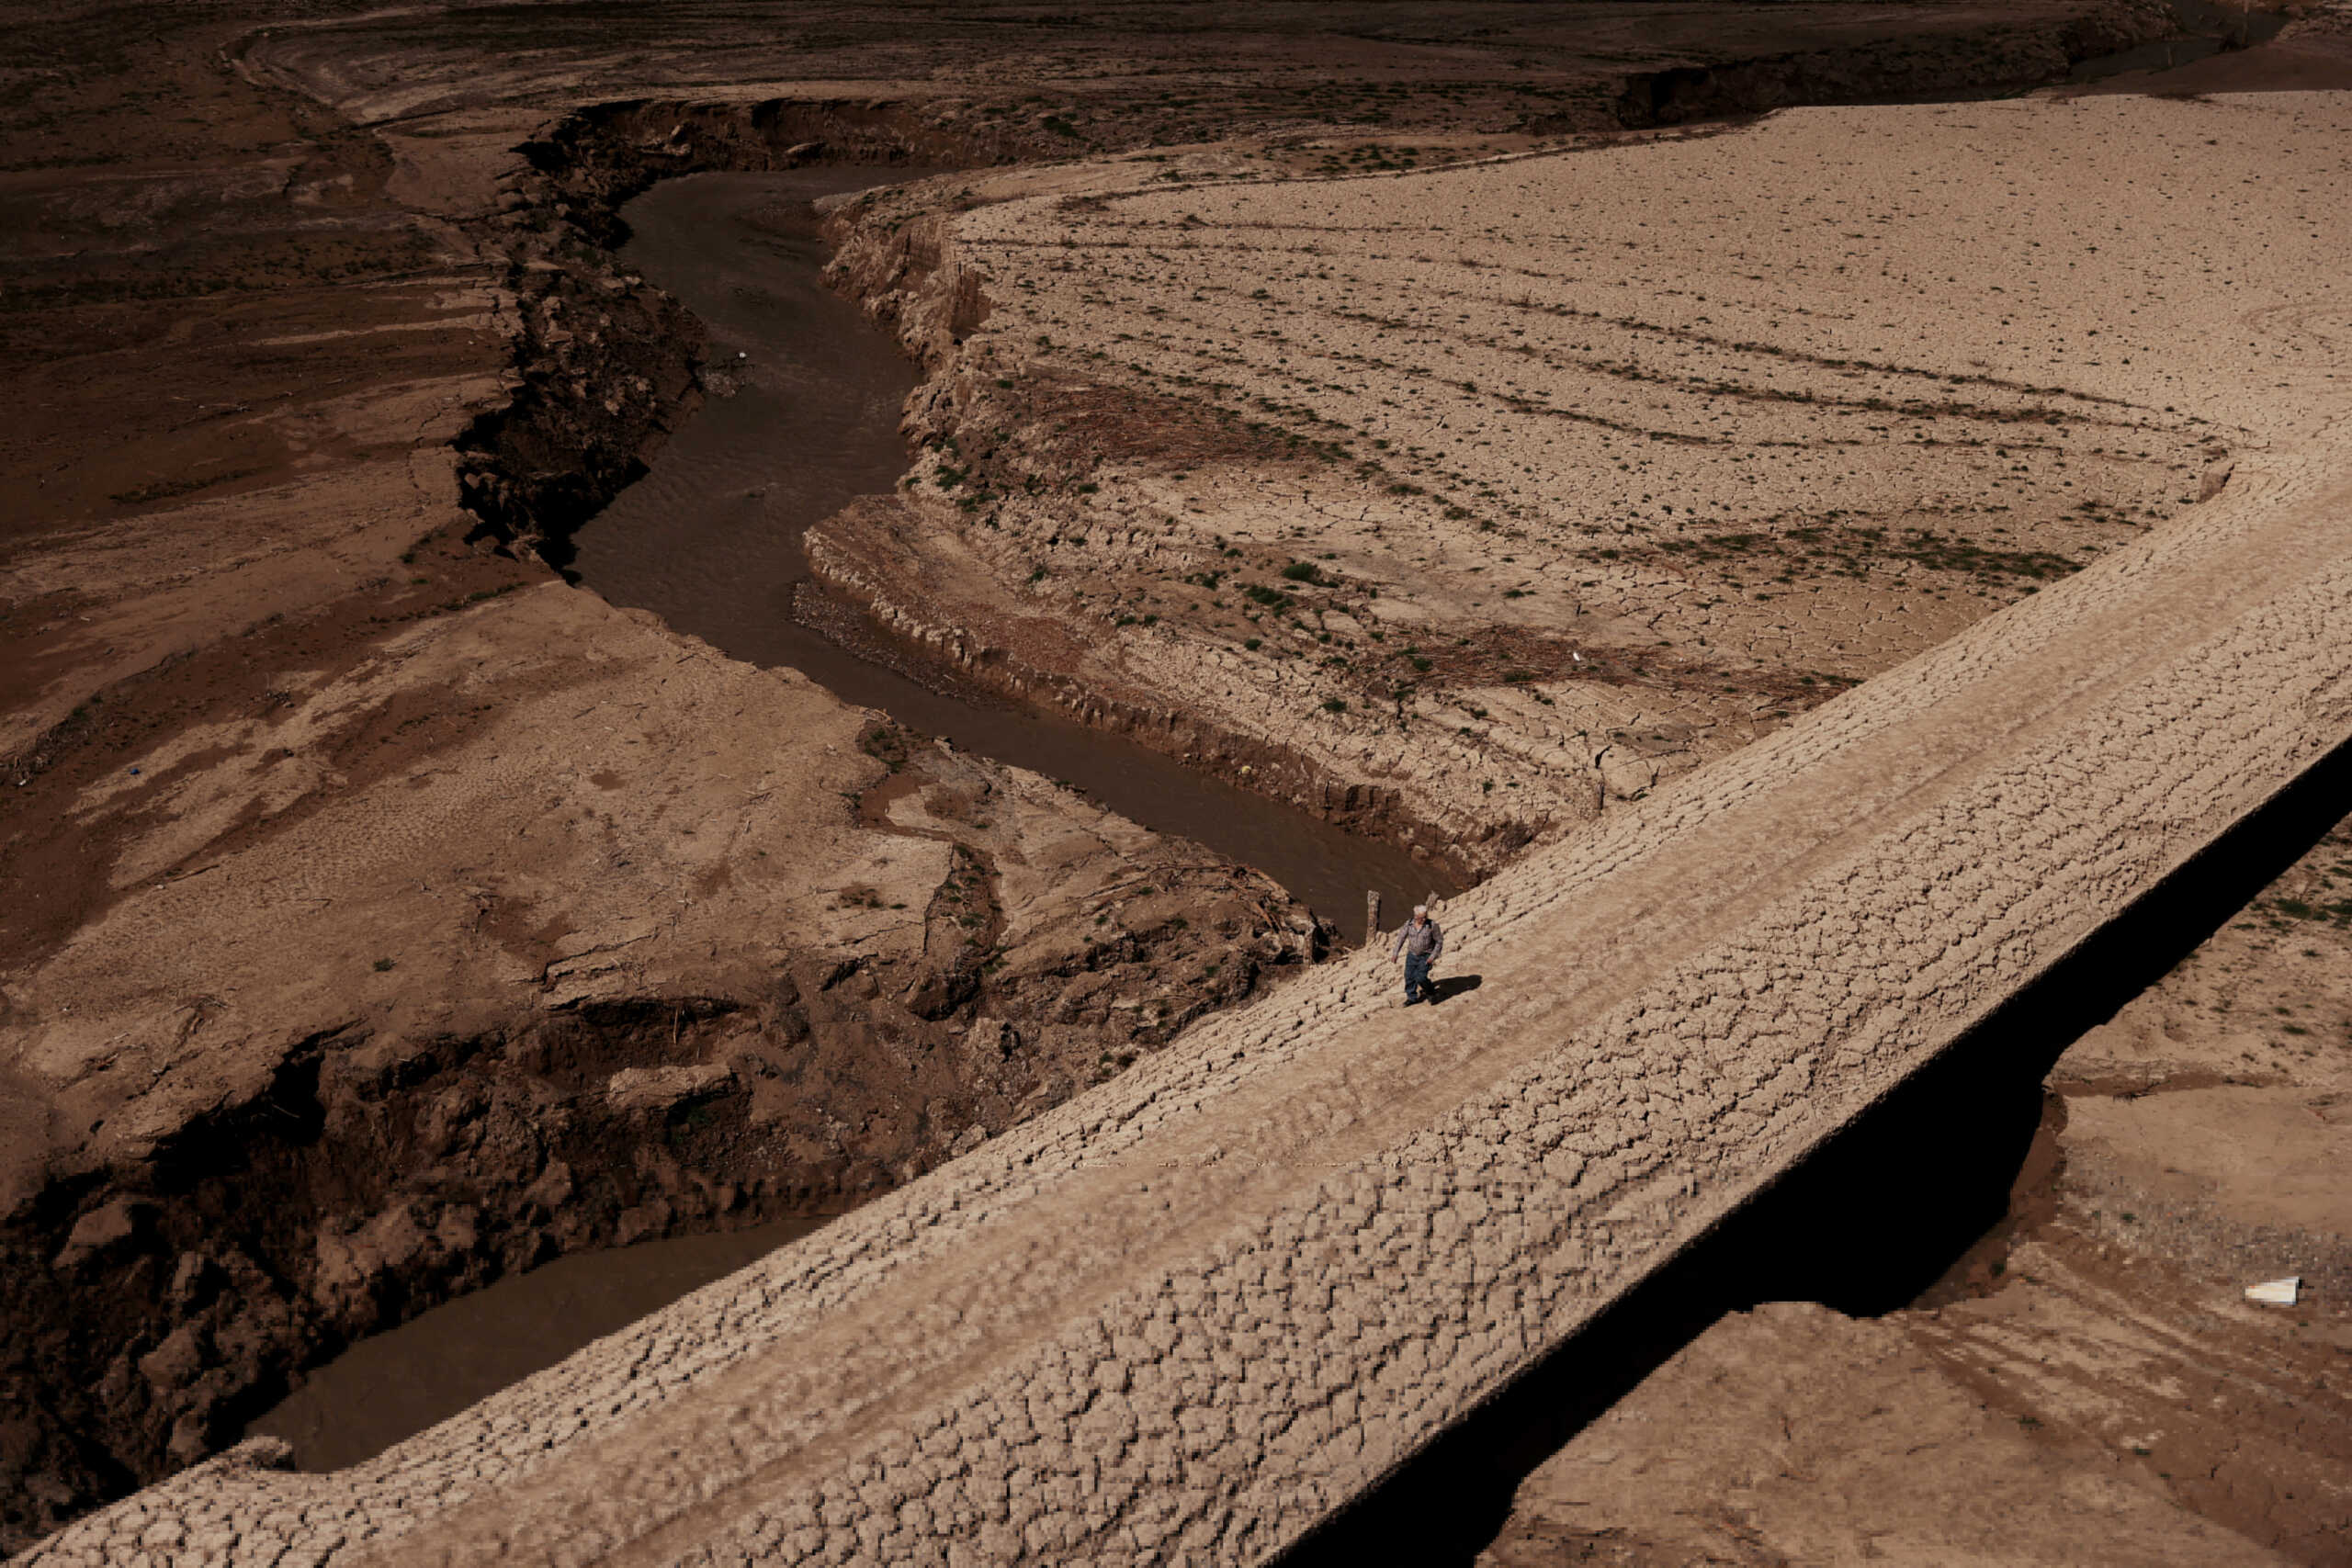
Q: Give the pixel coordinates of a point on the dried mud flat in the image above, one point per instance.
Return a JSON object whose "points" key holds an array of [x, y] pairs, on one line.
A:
{"points": [[1310, 432], [2092, 1360], [394, 916]]}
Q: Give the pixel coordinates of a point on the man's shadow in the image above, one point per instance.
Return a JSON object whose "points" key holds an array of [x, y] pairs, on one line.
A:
{"points": [[1446, 988]]}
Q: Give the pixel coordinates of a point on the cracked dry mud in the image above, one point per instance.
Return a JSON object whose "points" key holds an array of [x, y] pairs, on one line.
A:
{"points": [[1289, 461], [1194, 1310], [2089, 1386]]}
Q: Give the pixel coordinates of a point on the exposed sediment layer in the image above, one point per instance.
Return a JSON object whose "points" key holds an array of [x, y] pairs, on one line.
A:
{"points": [[254, 328], [453, 959], [1194, 1310], [1473, 501], [536, 469]]}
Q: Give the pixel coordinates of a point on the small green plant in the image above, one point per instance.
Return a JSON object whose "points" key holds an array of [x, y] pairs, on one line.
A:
{"points": [[1334, 705], [383, 965]]}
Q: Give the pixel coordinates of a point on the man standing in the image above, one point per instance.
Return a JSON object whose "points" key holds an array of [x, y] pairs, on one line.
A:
{"points": [[1419, 941]]}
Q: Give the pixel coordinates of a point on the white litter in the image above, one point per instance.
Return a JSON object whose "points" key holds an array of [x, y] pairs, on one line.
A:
{"points": [[2276, 1292]]}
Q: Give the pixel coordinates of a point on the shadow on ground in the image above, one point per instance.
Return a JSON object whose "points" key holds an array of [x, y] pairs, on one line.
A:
{"points": [[1865, 1227], [1445, 989]]}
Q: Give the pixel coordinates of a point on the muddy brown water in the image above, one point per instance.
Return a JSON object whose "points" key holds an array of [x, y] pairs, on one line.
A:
{"points": [[710, 539], [2206, 29], [397, 1383]]}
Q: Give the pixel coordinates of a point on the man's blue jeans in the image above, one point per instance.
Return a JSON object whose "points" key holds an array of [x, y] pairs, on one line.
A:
{"points": [[1416, 977]]}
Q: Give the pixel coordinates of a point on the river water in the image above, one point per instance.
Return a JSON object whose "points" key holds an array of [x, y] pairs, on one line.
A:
{"points": [[710, 539], [395, 1385]]}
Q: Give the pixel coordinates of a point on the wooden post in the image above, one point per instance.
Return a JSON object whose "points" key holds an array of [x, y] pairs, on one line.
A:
{"points": [[1372, 917]]}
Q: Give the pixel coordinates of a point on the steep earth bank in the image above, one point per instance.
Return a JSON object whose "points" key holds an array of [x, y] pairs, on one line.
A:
{"points": [[607, 363], [2092, 1360], [895, 257]]}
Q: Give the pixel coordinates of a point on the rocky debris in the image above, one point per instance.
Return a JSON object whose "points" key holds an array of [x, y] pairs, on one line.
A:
{"points": [[103, 1235], [665, 1089]]}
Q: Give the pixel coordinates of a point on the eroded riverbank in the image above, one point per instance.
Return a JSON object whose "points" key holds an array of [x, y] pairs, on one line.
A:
{"points": [[804, 422], [1205, 1306]]}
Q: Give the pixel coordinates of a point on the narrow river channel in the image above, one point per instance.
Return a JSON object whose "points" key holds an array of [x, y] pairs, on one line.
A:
{"points": [[710, 541]]}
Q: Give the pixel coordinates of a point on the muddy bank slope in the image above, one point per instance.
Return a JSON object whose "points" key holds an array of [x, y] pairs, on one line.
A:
{"points": [[1469, 501]]}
